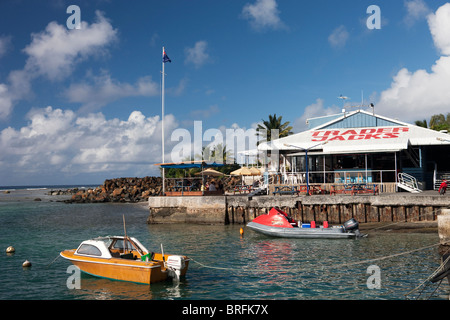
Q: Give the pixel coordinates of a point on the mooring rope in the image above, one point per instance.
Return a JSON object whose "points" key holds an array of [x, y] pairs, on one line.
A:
{"points": [[323, 267], [427, 280], [52, 261]]}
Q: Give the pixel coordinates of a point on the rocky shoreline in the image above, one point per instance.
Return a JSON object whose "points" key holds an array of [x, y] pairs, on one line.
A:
{"points": [[125, 190]]}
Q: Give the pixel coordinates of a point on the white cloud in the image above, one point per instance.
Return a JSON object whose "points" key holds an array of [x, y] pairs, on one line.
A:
{"points": [[59, 143], [105, 90], [440, 28], [198, 54], [420, 94], [338, 38], [263, 14], [205, 113], [55, 51], [415, 10], [5, 102], [316, 109], [18, 88]]}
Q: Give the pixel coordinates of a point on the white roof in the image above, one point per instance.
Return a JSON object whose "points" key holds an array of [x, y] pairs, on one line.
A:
{"points": [[391, 138]]}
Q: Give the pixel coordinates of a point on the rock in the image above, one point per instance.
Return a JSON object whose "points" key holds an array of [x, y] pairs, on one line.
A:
{"points": [[117, 192], [131, 189]]}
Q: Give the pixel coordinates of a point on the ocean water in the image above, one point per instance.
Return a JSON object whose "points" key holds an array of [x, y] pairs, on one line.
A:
{"points": [[224, 265]]}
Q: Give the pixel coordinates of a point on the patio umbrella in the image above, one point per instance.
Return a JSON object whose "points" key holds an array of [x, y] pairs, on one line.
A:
{"points": [[244, 171], [210, 172], [255, 171]]}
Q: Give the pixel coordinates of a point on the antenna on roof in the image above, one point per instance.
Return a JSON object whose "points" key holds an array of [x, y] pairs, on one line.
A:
{"points": [[343, 98], [362, 99]]}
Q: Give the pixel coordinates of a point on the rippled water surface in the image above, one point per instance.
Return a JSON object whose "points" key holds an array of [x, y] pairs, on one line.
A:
{"points": [[224, 266]]}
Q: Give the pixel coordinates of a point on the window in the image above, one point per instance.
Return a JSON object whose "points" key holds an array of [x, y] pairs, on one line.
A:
{"points": [[89, 250], [119, 244]]}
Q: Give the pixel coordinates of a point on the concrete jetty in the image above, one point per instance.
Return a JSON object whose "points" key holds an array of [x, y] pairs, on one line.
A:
{"points": [[240, 209]]}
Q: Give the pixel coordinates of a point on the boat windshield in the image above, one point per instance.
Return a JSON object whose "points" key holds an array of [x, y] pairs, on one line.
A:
{"points": [[120, 244]]}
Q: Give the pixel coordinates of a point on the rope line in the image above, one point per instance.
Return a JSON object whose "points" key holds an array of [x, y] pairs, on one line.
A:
{"points": [[325, 267], [427, 280], [52, 261]]}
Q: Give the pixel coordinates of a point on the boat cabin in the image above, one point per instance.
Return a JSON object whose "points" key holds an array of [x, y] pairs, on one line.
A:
{"points": [[112, 247]]}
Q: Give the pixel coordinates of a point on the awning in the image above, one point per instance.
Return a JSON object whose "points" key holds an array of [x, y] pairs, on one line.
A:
{"points": [[372, 146], [342, 141], [189, 165]]}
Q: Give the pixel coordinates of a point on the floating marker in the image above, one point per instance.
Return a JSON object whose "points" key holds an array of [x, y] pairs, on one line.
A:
{"points": [[10, 249], [26, 264]]}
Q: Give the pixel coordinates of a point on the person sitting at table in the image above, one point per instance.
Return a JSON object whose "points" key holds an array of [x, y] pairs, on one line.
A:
{"points": [[212, 186], [195, 185]]}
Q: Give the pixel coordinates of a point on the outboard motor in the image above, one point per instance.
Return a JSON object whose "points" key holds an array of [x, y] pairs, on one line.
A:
{"points": [[174, 265], [352, 226]]}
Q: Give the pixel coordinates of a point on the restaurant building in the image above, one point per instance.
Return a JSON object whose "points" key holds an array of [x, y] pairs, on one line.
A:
{"points": [[361, 147]]}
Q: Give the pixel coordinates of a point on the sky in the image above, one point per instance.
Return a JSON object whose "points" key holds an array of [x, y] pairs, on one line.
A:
{"points": [[81, 103]]}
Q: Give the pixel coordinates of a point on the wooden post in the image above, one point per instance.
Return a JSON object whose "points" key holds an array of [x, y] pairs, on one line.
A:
{"points": [[444, 227], [444, 234]]}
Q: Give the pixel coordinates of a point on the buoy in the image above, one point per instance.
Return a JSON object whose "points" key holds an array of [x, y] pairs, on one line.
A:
{"points": [[26, 264], [10, 249], [241, 232]]}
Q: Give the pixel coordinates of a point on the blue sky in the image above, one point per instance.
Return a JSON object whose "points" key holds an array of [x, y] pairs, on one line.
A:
{"points": [[82, 106]]}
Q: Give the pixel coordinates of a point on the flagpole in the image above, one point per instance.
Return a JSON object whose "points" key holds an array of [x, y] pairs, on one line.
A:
{"points": [[162, 128]]}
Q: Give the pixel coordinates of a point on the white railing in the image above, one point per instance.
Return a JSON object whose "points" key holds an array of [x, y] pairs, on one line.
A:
{"points": [[335, 177], [408, 182]]}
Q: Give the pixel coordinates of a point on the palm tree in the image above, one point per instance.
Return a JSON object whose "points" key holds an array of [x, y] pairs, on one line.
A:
{"points": [[266, 129], [437, 122], [421, 123]]}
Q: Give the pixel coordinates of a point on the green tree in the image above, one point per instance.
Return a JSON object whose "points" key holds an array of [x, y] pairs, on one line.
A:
{"points": [[440, 122], [437, 122], [421, 123], [268, 127]]}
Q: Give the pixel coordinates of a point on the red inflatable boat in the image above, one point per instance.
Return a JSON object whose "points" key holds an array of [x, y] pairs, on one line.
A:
{"points": [[277, 223]]}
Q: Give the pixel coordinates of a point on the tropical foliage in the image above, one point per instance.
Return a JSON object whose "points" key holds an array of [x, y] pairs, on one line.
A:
{"points": [[437, 122], [272, 127]]}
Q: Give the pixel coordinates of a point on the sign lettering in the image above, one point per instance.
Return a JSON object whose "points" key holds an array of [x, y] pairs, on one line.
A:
{"points": [[358, 134]]}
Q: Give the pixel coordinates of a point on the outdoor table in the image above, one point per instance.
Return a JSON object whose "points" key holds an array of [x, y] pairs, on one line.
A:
{"points": [[285, 190]]}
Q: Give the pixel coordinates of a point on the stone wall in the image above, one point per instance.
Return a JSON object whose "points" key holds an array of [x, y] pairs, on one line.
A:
{"points": [[334, 209]]}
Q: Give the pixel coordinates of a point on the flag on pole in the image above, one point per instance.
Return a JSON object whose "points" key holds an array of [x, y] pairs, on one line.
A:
{"points": [[166, 57]]}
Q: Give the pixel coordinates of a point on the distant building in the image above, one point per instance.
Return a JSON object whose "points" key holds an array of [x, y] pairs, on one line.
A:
{"points": [[362, 147]]}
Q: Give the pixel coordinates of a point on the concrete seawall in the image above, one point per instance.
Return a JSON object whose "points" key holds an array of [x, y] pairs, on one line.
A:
{"points": [[240, 209]]}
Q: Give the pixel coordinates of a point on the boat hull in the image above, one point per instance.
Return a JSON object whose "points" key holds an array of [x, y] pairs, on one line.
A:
{"points": [[143, 272], [301, 233]]}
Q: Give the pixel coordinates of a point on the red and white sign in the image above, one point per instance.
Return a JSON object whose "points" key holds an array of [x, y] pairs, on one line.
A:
{"points": [[358, 134]]}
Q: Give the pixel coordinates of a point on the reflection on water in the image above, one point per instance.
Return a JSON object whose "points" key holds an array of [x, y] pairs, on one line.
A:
{"points": [[224, 265]]}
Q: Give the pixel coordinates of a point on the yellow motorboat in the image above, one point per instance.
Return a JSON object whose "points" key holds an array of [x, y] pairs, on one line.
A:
{"points": [[126, 259]]}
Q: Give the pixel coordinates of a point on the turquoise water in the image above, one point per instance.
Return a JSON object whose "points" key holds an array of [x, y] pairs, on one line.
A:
{"points": [[224, 266]]}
